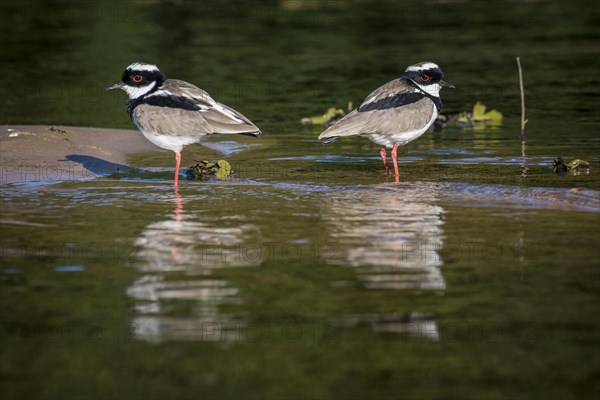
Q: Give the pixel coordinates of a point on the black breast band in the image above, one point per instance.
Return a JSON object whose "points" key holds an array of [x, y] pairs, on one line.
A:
{"points": [[399, 100], [182, 102]]}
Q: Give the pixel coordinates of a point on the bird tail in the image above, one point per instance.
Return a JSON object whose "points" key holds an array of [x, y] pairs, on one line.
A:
{"points": [[329, 139], [253, 134]]}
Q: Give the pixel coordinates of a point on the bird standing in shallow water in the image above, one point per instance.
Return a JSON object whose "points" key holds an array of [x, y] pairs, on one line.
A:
{"points": [[396, 113], [172, 113]]}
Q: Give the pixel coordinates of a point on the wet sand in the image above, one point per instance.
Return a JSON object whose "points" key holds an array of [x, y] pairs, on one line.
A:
{"points": [[40, 153]]}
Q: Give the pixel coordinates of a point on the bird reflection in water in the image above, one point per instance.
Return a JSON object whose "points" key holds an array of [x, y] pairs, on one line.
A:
{"points": [[179, 258], [392, 236]]}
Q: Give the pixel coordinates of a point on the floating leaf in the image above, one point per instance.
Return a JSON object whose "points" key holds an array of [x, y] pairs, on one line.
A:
{"points": [[478, 118], [332, 115], [494, 116], [478, 112], [224, 165], [577, 163], [463, 119], [223, 169]]}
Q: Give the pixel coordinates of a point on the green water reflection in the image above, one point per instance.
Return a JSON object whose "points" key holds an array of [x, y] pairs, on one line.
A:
{"points": [[308, 274]]}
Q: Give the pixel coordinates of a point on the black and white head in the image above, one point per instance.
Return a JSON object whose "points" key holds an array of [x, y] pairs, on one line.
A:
{"points": [[139, 79], [427, 76]]}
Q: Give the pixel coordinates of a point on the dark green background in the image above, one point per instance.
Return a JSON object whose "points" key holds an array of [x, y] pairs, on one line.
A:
{"points": [[518, 317]]}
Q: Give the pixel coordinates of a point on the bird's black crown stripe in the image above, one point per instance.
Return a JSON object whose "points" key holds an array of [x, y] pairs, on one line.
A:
{"points": [[399, 100], [435, 75], [146, 76], [166, 101]]}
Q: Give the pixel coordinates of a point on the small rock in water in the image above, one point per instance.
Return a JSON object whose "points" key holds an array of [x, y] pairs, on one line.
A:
{"points": [[560, 167], [208, 169]]}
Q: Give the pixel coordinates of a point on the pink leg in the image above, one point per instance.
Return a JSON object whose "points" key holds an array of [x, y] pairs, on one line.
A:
{"points": [[177, 163], [178, 207], [383, 157], [394, 160]]}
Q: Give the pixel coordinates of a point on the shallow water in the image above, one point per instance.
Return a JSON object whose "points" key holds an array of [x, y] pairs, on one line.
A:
{"points": [[309, 273]]}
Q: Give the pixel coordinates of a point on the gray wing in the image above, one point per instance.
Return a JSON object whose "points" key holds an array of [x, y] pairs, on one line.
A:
{"points": [[390, 120], [392, 88], [171, 121], [211, 117], [393, 120], [182, 88]]}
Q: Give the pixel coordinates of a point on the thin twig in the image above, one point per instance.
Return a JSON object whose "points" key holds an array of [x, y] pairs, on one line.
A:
{"points": [[523, 120]]}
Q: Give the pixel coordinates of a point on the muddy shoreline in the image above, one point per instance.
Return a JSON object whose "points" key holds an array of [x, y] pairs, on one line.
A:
{"points": [[45, 153]]}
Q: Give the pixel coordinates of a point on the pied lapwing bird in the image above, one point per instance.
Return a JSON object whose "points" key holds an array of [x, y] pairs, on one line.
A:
{"points": [[172, 113], [396, 113]]}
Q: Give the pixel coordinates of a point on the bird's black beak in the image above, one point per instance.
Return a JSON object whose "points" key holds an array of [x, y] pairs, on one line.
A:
{"points": [[443, 83], [117, 85]]}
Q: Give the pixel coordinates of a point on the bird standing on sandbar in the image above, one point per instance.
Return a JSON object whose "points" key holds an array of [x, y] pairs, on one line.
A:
{"points": [[172, 113], [396, 113]]}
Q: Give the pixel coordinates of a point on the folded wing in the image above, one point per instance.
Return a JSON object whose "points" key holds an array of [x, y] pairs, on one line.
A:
{"points": [[187, 110], [392, 108]]}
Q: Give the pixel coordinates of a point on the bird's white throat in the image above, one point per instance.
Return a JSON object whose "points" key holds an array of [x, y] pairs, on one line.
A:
{"points": [[432, 89], [134, 92]]}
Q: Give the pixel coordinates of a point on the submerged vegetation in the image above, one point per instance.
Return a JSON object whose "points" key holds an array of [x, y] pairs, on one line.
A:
{"points": [[207, 169], [559, 166]]}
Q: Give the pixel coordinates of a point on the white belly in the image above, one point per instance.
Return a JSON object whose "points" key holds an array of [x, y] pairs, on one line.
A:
{"points": [[169, 142], [401, 138], [173, 143]]}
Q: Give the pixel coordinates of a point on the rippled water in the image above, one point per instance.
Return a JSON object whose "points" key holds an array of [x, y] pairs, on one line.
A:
{"points": [[309, 273]]}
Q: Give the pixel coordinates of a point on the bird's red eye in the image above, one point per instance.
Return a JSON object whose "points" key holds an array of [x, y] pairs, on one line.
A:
{"points": [[136, 78], [425, 78]]}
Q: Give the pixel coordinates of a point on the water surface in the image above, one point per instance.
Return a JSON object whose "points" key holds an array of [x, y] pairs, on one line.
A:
{"points": [[309, 273]]}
